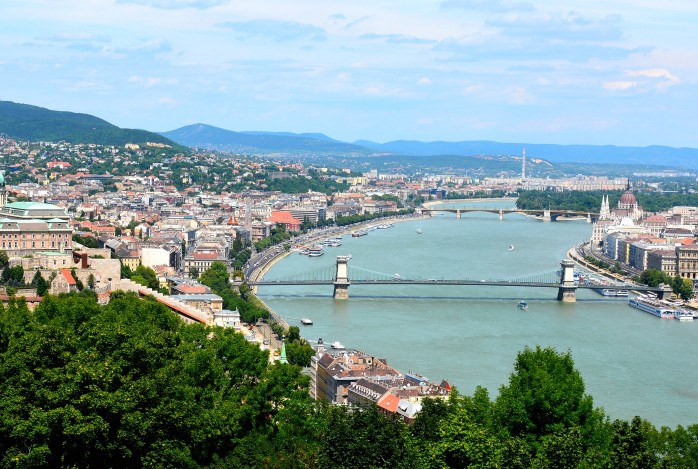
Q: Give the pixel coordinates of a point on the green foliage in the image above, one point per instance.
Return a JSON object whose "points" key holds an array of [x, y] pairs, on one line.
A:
{"points": [[216, 277], [41, 285], [13, 276], [278, 236], [301, 184], [87, 241], [39, 124], [590, 201], [130, 385], [365, 438], [4, 259], [351, 219], [545, 394], [582, 201]]}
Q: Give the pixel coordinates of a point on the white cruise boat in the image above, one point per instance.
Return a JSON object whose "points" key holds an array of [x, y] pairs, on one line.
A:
{"points": [[316, 251], [337, 345], [307, 321], [683, 315], [653, 306]]}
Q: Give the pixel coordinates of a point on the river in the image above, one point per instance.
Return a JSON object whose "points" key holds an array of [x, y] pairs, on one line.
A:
{"points": [[632, 363]]}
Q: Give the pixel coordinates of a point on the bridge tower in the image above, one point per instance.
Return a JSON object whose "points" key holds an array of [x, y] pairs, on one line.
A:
{"points": [[501, 214], [546, 214], [567, 291], [666, 292], [341, 279], [458, 214]]}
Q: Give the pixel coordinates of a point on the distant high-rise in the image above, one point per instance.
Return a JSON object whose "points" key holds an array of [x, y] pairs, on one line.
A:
{"points": [[523, 165]]}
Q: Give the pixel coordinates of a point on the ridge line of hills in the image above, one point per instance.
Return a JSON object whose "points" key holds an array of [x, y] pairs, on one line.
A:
{"points": [[34, 123]]}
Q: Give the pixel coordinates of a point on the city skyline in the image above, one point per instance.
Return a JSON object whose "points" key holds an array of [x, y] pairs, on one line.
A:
{"points": [[618, 72]]}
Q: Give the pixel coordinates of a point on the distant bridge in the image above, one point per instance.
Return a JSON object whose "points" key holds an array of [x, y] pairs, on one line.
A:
{"points": [[544, 214], [338, 276]]}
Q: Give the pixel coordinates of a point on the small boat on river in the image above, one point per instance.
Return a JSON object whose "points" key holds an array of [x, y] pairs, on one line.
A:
{"points": [[307, 321], [337, 345], [522, 305], [511, 247]]}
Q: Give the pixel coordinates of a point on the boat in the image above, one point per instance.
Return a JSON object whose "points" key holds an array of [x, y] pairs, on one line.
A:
{"points": [[358, 233], [337, 345], [307, 321], [522, 305], [348, 256], [304, 252], [652, 305], [335, 243], [316, 251], [614, 292], [683, 315], [510, 248], [419, 231]]}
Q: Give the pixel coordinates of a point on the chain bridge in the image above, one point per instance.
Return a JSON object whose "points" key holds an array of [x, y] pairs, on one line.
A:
{"points": [[341, 276]]}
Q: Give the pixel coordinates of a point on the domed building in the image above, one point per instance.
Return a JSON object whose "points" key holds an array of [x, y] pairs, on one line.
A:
{"points": [[627, 207]]}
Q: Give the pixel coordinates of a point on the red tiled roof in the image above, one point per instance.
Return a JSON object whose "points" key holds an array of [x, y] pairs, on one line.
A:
{"points": [[68, 277], [285, 218], [389, 403]]}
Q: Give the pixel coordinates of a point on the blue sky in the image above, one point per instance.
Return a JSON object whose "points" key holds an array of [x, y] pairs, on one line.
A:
{"points": [[584, 72]]}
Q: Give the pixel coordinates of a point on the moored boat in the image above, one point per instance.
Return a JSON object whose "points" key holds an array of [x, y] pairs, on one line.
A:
{"points": [[683, 315], [307, 321], [653, 306], [316, 251], [358, 233]]}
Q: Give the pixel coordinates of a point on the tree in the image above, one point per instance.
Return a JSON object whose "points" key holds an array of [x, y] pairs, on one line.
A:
{"points": [[4, 259], [685, 290], [545, 395], [39, 283], [216, 277], [194, 272], [631, 445]]}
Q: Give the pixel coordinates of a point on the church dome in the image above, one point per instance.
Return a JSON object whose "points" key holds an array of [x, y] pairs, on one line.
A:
{"points": [[628, 198]]}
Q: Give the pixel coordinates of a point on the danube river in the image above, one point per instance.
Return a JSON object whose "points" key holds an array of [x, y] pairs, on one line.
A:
{"points": [[632, 363]]}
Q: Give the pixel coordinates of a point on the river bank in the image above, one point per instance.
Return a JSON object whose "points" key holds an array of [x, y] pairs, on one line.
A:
{"points": [[274, 254]]}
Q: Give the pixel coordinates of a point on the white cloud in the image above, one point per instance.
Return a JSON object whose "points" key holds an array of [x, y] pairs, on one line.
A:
{"points": [[424, 81], [619, 85], [669, 78]]}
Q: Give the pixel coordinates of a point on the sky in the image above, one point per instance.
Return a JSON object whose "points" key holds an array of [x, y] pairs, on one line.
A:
{"points": [[611, 72]]}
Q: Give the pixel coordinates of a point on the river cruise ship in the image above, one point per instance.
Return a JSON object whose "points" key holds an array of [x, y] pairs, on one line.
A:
{"points": [[652, 305]]}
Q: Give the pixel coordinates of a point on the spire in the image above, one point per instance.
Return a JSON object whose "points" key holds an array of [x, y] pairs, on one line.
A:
{"points": [[282, 358]]}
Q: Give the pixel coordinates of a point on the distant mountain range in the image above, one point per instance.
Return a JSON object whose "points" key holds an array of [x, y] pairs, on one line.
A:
{"points": [[607, 154], [35, 124], [207, 136]]}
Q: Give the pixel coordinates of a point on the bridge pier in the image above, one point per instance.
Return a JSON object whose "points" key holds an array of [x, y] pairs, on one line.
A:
{"points": [[567, 290], [341, 279], [666, 292], [458, 214], [588, 218], [546, 215], [501, 214]]}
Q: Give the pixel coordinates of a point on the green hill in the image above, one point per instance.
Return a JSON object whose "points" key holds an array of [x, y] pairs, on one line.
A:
{"points": [[33, 123]]}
